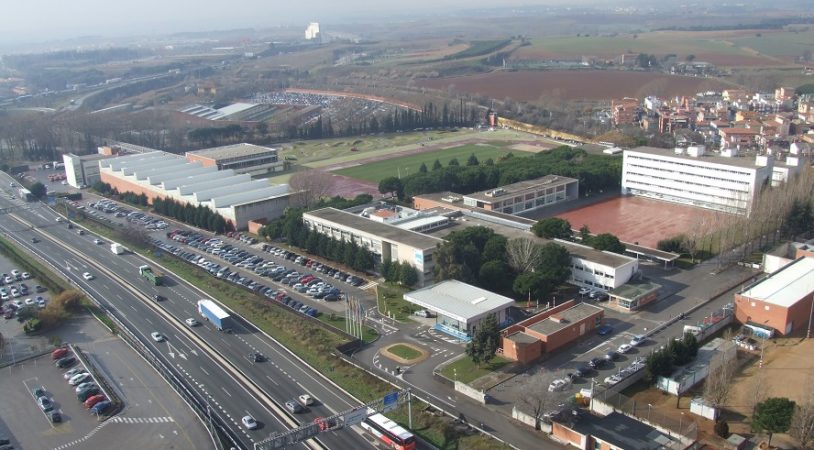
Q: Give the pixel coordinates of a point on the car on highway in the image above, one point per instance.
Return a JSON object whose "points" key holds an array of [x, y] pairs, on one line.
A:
{"points": [[158, 337], [293, 407], [257, 357], [249, 422], [98, 241], [159, 298], [34, 240], [87, 276], [306, 400], [192, 322]]}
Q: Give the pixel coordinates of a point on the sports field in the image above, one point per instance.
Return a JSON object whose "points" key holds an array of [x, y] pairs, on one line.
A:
{"points": [[378, 170]]}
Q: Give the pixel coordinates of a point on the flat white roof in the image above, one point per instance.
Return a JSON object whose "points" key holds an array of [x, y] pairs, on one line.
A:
{"points": [[235, 108], [787, 286], [458, 300]]}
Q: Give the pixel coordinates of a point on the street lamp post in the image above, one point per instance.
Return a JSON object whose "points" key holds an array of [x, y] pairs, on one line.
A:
{"points": [[649, 408], [680, 423]]}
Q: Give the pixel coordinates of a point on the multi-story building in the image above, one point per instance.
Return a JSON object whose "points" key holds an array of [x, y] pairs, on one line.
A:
{"points": [[525, 196], [742, 138], [387, 242], [242, 158], [81, 171], [692, 177], [625, 111]]}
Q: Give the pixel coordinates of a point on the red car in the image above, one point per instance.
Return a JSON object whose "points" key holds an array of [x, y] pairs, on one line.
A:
{"points": [[94, 400], [59, 353]]}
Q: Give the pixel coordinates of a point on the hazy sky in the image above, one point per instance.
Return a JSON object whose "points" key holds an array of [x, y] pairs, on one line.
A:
{"points": [[47, 19]]}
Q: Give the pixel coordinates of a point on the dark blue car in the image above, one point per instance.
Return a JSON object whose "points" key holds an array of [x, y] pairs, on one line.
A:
{"points": [[604, 330]]}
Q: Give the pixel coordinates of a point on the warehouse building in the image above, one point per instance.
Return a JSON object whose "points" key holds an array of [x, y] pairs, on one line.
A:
{"points": [[460, 307], [694, 177], [236, 197], [241, 158], [387, 242], [782, 302]]}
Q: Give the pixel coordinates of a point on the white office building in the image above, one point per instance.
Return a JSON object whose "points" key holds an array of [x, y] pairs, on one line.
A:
{"points": [[694, 177]]}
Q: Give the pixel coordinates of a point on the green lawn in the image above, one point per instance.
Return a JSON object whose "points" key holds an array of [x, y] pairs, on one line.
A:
{"points": [[465, 371], [403, 351], [392, 304], [338, 321], [406, 165]]}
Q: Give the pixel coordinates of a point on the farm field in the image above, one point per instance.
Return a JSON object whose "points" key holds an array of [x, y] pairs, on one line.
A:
{"points": [[379, 170], [575, 84], [733, 48]]}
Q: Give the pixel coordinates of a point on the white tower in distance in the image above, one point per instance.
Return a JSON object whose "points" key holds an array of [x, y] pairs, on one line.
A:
{"points": [[312, 32]]}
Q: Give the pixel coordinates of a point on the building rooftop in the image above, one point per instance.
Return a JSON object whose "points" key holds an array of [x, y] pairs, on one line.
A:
{"points": [[567, 318], [521, 338], [235, 108], [384, 231], [635, 289], [233, 151], [710, 158], [91, 157], [621, 431], [513, 189], [458, 300], [787, 286]]}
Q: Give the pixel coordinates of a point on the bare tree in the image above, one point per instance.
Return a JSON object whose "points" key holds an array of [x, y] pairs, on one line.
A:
{"points": [[315, 184], [759, 389], [718, 384], [802, 424], [535, 397], [522, 254]]}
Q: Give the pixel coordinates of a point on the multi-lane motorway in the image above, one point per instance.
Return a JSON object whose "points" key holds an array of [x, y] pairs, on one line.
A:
{"points": [[221, 377]]}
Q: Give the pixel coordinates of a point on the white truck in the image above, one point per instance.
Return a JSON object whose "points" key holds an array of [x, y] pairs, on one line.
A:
{"points": [[117, 248]]}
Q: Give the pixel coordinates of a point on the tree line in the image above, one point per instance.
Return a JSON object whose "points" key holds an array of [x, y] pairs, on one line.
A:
{"points": [[199, 216], [595, 173], [290, 227]]}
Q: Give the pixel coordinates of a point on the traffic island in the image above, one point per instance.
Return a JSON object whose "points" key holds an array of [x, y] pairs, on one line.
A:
{"points": [[403, 353]]}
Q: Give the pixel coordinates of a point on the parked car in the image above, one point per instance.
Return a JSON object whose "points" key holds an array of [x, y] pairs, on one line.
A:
{"points": [[67, 361], [558, 385], [93, 400], [636, 340], [100, 407], [624, 348], [604, 330]]}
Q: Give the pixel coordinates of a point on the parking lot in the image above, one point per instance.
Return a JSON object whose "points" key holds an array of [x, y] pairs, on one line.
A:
{"points": [[16, 297], [153, 415]]}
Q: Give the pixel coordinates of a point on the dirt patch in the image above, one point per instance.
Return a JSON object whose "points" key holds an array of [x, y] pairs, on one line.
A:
{"points": [[575, 84], [533, 148], [387, 354], [636, 219]]}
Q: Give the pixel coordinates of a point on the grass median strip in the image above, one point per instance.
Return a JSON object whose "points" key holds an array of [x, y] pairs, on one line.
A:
{"points": [[466, 371]]}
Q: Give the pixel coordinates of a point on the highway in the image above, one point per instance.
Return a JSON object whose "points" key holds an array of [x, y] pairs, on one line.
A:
{"points": [[282, 377]]}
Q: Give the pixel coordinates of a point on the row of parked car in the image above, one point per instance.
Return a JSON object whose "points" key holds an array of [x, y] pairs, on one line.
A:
{"points": [[86, 389], [11, 293], [242, 258], [598, 363], [135, 217]]}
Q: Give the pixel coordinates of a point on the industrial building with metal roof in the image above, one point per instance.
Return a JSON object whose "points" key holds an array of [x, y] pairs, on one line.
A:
{"points": [[242, 158], [782, 302], [236, 197], [460, 307]]}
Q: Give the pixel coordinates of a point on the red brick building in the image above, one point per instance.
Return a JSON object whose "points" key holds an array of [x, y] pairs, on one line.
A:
{"points": [[624, 110], [528, 340], [782, 301]]}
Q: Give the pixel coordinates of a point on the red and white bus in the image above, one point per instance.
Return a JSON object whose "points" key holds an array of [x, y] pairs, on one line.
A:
{"points": [[389, 432]]}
